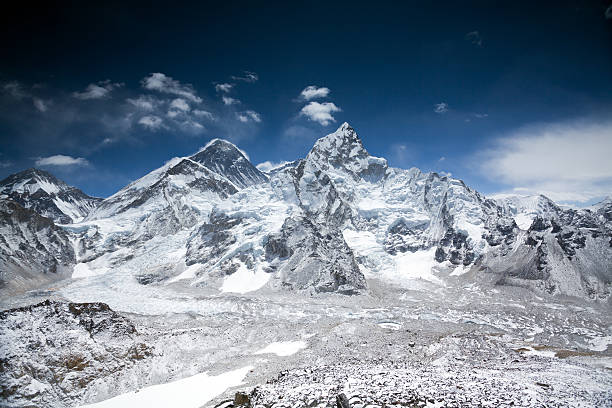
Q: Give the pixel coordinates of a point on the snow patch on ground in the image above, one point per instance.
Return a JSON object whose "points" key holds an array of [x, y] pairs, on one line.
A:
{"points": [[417, 265], [283, 348], [188, 273], [82, 270], [190, 392], [524, 221], [245, 280]]}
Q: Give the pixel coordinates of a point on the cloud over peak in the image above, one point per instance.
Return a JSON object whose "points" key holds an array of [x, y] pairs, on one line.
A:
{"points": [[165, 84], [320, 112], [314, 92], [61, 160]]}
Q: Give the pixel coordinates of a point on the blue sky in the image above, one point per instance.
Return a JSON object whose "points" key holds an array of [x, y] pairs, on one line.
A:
{"points": [[511, 98]]}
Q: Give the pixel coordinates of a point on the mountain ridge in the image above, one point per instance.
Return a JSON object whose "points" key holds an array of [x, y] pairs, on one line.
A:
{"points": [[357, 217]]}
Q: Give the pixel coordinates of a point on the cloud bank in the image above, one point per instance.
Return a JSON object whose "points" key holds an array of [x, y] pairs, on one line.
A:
{"points": [[61, 160], [568, 162]]}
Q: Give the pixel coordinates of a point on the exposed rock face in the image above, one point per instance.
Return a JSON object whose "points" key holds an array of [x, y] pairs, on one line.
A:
{"points": [[307, 255], [53, 350], [33, 250], [46, 195]]}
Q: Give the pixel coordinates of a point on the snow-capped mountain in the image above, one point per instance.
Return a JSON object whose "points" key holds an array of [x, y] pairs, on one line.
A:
{"points": [[333, 221], [47, 196], [225, 158]]}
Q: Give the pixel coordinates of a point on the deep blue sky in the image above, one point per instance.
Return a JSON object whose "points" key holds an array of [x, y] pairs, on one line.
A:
{"points": [[506, 71]]}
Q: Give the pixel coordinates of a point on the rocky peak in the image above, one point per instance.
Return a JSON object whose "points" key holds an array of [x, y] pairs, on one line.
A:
{"points": [[226, 159], [47, 195], [32, 180], [344, 151]]}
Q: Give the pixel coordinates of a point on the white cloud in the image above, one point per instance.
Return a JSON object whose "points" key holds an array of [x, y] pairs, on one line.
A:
{"points": [[165, 84], [203, 114], [314, 92], [247, 77], [268, 165], [567, 161], [40, 104], [442, 158], [151, 122], [480, 115], [230, 101], [608, 13], [180, 104], [97, 91], [224, 87], [441, 108], [61, 160], [249, 116], [320, 112], [144, 102]]}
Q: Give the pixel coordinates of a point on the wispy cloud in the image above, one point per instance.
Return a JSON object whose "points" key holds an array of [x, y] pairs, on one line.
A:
{"points": [[320, 112], [441, 108], [247, 76], [15, 89], [474, 37], [230, 101], [203, 114], [61, 160], [40, 104], [249, 116], [165, 84], [314, 92], [144, 102], [151, 122], [224, 87], [269, 165], [97, 91], [569, 162]]}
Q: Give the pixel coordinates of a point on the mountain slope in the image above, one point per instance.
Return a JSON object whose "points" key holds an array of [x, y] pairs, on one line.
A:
{"points": [[48, 196], [33, 250]]}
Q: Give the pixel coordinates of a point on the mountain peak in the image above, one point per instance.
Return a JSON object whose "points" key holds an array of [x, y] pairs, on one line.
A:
{"points": [[343, 149], [228, 160], [47, 195], [223, 145]]}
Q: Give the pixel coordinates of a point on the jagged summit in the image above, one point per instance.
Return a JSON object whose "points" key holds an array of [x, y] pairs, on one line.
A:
{"points": [[47, 195], [343, 150], [228, 160]]}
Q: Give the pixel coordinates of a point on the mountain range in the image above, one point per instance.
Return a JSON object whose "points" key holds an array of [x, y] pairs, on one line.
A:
{"points": [[330, 222]]}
